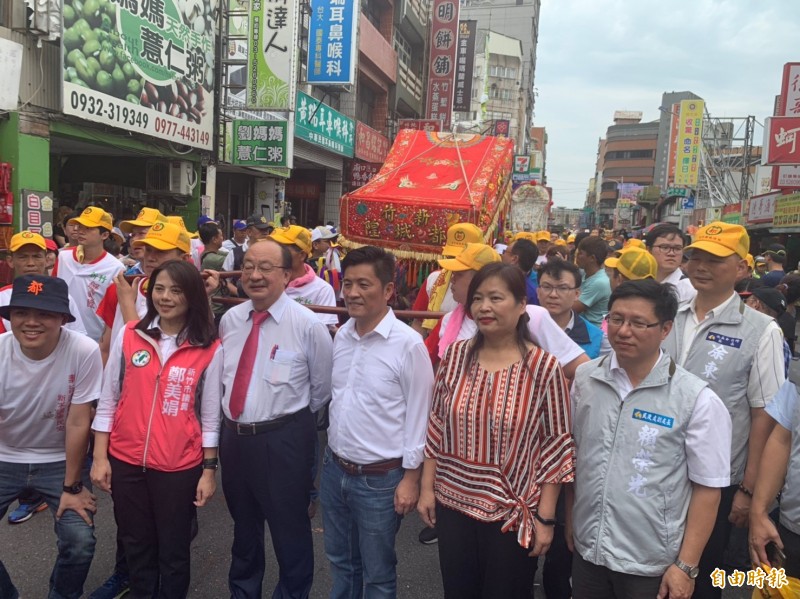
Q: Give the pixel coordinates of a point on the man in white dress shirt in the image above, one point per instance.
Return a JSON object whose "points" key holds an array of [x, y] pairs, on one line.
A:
{"points": [[665, 242], [381, 388], [276, 374]]}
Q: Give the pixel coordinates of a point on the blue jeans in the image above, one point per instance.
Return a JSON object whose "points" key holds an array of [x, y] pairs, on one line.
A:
{"points": [[360, 528], [76, 539]]}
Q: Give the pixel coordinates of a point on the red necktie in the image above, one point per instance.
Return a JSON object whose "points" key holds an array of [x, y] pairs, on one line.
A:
{"points": [[244, 371]]}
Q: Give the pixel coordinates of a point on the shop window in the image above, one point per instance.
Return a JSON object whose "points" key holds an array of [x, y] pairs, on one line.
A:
{"points": [[372, 11], [366, 99]]}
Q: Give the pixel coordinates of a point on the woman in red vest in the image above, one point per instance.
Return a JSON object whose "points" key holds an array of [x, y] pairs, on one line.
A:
{"points": [[157, 429]]}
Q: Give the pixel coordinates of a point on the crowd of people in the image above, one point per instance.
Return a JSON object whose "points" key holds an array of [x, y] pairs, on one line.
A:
{"points": [[617, 407]]}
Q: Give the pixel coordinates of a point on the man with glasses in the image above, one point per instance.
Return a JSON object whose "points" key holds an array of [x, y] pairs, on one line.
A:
{"points": [[665, 242], [276, 375], [738, 352], [653, 449]]}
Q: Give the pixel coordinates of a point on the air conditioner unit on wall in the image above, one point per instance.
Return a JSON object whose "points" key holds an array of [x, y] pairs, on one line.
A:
{"points": [[182, 177]]}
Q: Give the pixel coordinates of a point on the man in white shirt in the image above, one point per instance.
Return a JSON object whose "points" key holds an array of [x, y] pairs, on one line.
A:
{"points": [[665, 242], [276, 373], [739, 353], [88, 269], [49, 379], [305, 287], [382, 388]]}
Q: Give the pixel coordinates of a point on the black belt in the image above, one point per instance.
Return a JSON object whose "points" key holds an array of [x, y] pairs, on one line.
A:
{"points": [[374, 469], [256, 428]]}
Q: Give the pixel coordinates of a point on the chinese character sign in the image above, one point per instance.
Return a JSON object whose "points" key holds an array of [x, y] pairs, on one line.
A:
{"points": [[362, 173], [789, 100], [465, 61], [142, 65], [371, 145], [323, 126], [787, 211], [442, 66], [332, 42], [260, 143], [37, 212], [271, 54], [780, 140], [421, 124], [690, 142]]}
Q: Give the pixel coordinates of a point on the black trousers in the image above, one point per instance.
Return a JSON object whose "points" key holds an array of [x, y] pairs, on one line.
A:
{"points": [[478, 561], [267, 478], [791, 547], [590, 581], [557, 567], [154, 512], [713, 554]]}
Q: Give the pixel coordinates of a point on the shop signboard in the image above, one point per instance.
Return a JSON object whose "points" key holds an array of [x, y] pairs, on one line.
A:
{"points": [[763, 179], [321, 125], [465, 64], [789, 177], [628, 191], [362, 173], [272, 54], [142, 66], [502, 127], [780, 140], [788, 103], [37, 212], [677, 192], [787, 211], [261, 143], [522, 164], [690, 136], [732, 213], [674, 122], [421, 124], [442, 65], [761, 208], [371, 145], [332, 42]]}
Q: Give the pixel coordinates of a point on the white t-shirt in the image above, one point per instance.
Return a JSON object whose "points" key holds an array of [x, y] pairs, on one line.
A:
{"points": [[35, 396], [543, 329], [197, 249], [141, 310], [87, 285], [448, 303], [76, 325], [317, 292], [683, 286]]}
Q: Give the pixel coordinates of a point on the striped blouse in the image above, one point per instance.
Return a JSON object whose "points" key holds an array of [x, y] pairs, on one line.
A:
{"points": [[498, 436]]}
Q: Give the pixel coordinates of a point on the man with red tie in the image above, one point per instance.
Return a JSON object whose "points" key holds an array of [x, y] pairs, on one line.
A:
{"points": [[277, 373]]}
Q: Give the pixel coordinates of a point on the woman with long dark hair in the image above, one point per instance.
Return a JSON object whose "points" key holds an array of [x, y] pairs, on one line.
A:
{"points": [[498, 448], [157, 429]]}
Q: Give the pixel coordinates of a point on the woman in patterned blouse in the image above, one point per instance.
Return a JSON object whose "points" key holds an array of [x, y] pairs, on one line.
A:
{"points": [[498, 448]]}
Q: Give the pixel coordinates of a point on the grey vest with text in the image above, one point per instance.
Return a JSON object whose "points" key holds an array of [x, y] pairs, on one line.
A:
{"points": [[632, 487], [722, 355]]}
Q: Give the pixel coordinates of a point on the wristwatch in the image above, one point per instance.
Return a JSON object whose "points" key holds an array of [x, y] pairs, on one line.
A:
{"points": [[74, 488], [690, 571]]}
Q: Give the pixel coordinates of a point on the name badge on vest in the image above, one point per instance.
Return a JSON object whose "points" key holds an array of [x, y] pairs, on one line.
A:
{"points": [[653, 418], [724, 340]]}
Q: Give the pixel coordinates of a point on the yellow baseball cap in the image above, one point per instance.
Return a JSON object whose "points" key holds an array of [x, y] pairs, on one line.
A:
{"points": [[634, 264], [166, 236], [147, 217], [722, 239], [26, 238], [293, 235], [178, 220], [458, 236], [529, 235], [474, 257], [94, 217], [543, 236], [571, 238], [634, 243], [560, 242], [751, 262]]}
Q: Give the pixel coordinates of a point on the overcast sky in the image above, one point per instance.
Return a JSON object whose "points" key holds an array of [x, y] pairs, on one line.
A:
{"points": [[597, 57]]}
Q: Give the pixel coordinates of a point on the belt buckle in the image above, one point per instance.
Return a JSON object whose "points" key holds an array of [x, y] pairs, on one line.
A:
{"points": [[245, 428]]}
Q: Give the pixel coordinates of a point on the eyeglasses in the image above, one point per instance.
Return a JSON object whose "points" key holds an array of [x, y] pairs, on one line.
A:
{"points": [[637, 325], [669, 249], [264, 268], [560, 290]]}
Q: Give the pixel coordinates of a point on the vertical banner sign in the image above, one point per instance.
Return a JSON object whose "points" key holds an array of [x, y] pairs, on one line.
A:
{"points": [[465, 61], [272, 55], [142, 65], [442, 66], [332, 42], [789, 103], [260, 143], [674, 121], [37, 212], [780, 140], [690, 139], [371, 145]]}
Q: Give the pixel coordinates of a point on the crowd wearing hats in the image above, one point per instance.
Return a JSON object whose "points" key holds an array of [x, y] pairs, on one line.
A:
{"points": [[639, 371]]}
